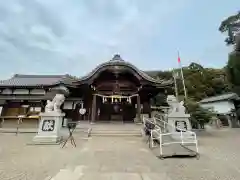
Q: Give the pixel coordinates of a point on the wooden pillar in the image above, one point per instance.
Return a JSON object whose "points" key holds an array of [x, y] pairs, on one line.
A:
{"points": [[93, 108], [147, 108], [138, 109], [42, 104]]}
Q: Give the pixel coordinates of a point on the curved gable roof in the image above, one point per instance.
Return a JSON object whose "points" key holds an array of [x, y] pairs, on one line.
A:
{"points": [[118, 61]]}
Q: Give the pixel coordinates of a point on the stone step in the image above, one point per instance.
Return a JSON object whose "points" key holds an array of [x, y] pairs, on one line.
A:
{"points": [[121, 176], [115, 133], [68, 174], [19, 130]]}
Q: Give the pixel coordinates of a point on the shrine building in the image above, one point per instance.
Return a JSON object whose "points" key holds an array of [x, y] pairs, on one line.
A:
{"points": [[114, 91]]}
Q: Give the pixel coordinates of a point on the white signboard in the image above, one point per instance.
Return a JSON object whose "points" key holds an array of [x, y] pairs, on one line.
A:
{"points": [[1, 108], [68, 105], [35, 109]]}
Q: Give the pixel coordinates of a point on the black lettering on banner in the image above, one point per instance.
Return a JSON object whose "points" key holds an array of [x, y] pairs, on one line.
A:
{"points": [[181, 125]]}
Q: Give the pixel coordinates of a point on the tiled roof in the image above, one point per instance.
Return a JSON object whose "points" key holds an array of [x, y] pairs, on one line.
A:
{"points": [[228, 96], [36, 80]]}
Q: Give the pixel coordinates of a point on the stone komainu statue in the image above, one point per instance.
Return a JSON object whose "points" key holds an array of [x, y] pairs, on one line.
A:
{"points": [[175, 106], [55, 104], [49, 106], [173, 103]]}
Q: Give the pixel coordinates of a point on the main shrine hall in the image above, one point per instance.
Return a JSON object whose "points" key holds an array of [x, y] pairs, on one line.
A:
{"points": [[114, 91]]}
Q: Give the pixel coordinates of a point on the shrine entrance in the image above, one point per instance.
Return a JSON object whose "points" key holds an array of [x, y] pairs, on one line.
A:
{"points": [[117, 91], [116, 108]]}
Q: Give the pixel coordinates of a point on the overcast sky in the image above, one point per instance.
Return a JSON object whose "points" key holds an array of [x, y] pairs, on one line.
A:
{"points": [[74, 36]]}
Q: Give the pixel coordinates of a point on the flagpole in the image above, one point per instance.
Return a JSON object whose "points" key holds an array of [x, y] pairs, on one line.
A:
{"points": [[183, 81], [175, 84]]}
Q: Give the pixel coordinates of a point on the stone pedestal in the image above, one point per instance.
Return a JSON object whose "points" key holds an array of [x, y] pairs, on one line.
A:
{"points": [[179, 121], [137, 120], [49, 130], [144, 116]]}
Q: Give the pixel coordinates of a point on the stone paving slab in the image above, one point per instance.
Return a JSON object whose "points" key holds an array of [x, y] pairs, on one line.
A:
{"points": [[120, 156], [113, 176], [121, 176], [155, 176], [96, 176]]}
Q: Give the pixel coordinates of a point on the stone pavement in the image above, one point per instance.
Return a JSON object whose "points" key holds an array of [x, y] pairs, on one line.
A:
{"points": [[118, 158], [106, 158]]}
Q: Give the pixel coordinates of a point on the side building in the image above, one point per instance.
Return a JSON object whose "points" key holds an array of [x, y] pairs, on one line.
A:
{"points": [[225, 106], [114, 91]]}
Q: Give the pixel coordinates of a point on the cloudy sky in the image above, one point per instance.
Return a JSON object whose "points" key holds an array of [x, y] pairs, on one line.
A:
{"points": [[73, 36]]}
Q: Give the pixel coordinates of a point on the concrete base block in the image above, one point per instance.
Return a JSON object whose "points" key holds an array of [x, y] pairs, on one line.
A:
{"points": [[46, 140]]}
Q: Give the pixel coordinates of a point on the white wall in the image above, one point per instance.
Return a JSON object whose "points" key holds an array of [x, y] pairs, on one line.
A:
{"points": [[7, 91], [68, 105], [37, 91], [220, 106], [21, 91]]}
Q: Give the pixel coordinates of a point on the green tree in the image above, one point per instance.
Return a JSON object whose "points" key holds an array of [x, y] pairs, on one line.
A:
{"points": [[203, 82], [217, 80], [237, 47], [200, 82], [165, 75], [233, 71], [231, 26], [199, 115], [159, 100], [196, 67]]}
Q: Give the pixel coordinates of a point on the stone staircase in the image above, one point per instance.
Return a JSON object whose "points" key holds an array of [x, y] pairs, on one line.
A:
{"points": [[116, 130], [136, 133]]}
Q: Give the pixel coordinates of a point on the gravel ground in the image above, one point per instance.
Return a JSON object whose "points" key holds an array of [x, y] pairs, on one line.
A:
{"points": [[219, 159]]}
